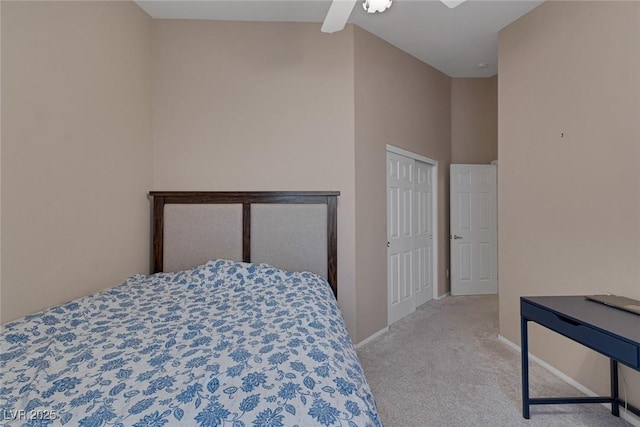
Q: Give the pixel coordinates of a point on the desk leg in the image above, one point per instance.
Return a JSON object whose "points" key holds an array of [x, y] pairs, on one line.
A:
{"points": [[524, 356], [615, 407]]}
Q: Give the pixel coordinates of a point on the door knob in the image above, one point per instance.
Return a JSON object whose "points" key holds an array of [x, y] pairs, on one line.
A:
{"points": [[387, 244], [456, 237]]}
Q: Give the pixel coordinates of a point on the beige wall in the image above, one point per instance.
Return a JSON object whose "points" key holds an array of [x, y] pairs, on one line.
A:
{"points": [[258, 106], [76, 145], [474, 120], [403, 102], [0, 168], [569, 206]]}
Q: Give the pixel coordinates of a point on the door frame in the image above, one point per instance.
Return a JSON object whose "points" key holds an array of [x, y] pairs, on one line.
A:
{"points": [[434, 205]]}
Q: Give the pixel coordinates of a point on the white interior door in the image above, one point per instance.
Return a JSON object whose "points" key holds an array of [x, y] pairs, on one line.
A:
{"points": [[474, 234], [410, 234], [423, 254], [401, 241]]}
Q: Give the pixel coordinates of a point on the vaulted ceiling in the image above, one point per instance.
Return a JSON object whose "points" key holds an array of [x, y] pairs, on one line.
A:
{"points": [[460, 42]]}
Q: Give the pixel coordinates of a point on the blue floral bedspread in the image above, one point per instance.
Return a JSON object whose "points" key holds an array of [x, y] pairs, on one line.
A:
{"points": [[225, 344]]}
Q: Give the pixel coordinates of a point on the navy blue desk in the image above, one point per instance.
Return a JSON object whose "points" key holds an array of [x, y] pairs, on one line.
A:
{"points": [[609, 331]]}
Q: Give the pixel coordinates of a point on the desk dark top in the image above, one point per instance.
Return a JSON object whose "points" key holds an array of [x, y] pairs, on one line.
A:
{"points": [[607, 319]]}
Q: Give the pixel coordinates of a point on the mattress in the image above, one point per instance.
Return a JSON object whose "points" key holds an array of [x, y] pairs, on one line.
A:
{"points": [[224, 344]]}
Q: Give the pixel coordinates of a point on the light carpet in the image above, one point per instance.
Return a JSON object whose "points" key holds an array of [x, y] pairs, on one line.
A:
{"points": [[444, 366]]}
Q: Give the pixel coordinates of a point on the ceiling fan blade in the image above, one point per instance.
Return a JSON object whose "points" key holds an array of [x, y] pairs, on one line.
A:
{"points": [[452, 3], [338, 15]]}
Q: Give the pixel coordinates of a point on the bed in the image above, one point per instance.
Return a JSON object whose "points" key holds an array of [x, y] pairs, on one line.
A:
{"points": [[232, 341]]}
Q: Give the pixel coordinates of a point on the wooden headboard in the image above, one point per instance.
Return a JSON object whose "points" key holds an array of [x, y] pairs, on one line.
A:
{"points": [[246, 199]]}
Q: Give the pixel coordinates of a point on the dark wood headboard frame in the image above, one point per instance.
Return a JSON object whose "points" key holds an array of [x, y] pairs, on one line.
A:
{"points": [[246, 198]]}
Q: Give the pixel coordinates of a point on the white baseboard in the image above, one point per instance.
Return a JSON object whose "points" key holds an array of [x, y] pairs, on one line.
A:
{"points": [[372, 337], [439, 297], [627, 416]]}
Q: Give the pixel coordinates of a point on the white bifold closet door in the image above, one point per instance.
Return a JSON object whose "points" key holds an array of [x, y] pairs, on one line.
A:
{"points": [[409, 234]]}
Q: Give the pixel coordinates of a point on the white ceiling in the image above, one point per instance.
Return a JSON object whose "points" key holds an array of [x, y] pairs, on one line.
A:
{"points": [[454, 41]]}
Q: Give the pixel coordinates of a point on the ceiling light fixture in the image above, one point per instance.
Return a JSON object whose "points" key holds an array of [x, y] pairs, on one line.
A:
{"points": [[373, 6]]}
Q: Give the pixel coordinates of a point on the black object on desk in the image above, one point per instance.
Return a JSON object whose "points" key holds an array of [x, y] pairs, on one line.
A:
{"points": [[611, 332]]}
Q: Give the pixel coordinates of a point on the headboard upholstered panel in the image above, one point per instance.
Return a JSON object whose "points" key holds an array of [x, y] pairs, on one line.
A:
{"points": [[195, 234], [289, 229], [293, 237]]}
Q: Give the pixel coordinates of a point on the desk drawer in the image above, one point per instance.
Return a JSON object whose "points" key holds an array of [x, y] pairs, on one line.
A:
{"points": [[601, 342]]}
